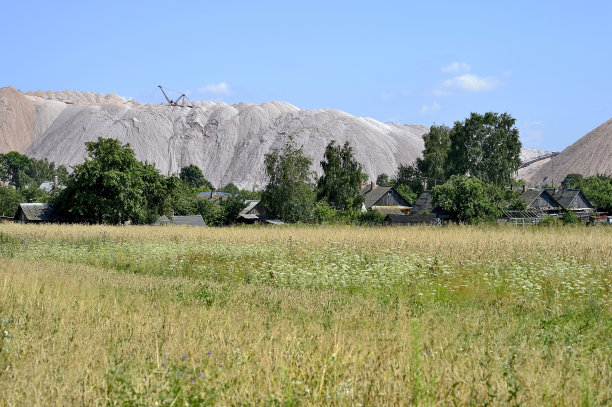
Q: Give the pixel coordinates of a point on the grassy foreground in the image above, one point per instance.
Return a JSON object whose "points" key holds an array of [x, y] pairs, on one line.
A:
{"points": [[305, 316]]}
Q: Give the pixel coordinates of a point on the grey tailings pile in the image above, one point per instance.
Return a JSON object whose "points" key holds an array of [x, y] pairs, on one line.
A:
{"points": [[228, 142]]}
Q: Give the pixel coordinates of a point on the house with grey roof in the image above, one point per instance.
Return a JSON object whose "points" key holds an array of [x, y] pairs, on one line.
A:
{"points": [[541, 200], [192, 220], [572, 199], [36, 213], [383, 199]]}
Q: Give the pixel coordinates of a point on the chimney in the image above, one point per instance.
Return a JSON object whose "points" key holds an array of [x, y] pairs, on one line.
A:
{"points": [[373, 185], [361, 185], [212, 192], [524, 187]]}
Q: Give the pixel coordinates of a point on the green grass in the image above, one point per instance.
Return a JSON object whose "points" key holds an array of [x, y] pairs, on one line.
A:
{"points": [[332, 316]]}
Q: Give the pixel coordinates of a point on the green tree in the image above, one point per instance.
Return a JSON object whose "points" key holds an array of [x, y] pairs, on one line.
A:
{"points": [[598, 190], [231, 208], [111, 186], [10, 198], [22, 172], [409, 176], [572, 181], [230, 189], [342, 175], [467, 199], [569, 217], [289, 194], [433, 165], [383, 180], [485, 146], [406, 193], [193, 176]]}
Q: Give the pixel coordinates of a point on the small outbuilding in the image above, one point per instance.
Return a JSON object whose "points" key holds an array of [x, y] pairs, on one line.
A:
{"points": [[36, 213]]}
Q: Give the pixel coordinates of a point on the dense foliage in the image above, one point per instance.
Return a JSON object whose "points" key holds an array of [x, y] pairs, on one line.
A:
{"points": [[192, 175], [485, 146], [23, 172], [597, 189], [342, 175], [111, 186], [434, 163], [289, 194], [471, 200]]}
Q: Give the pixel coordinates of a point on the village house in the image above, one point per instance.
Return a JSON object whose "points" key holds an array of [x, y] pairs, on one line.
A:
{"points": [[384, 199]]}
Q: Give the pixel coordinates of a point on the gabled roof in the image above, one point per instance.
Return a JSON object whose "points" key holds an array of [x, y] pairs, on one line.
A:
{"points": [[566, 198], [530, 195], [373, 195], [192, 220], [37, 212], [251, 204]]}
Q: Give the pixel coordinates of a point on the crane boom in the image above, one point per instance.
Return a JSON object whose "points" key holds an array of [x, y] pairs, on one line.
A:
{"points": [[180, 99]]}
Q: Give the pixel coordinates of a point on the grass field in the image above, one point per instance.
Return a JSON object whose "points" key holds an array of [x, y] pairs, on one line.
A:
{"points": [[144, 316]]}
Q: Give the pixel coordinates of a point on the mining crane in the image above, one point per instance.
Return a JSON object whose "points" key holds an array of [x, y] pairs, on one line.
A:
{"points": [[180, 101]]}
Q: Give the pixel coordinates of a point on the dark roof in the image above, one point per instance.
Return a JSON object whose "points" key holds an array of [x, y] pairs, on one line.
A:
{"points": [[37, 212], [566, 197], [530, 195], [373, 195], [192, 220]]}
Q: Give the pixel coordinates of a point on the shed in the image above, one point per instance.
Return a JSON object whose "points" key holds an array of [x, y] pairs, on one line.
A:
{"points": [[192, 220], [36, 213]]}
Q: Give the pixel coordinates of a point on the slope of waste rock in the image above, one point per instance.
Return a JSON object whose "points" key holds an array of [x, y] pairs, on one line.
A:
{"points": [[590, 155], [228, 142], [17, 118]]}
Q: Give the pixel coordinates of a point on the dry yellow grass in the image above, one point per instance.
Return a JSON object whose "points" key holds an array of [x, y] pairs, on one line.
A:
{"points": [[82, 335]]}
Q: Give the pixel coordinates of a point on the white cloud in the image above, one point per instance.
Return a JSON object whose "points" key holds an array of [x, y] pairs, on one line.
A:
{"points": [[472, 83], [430, 109], [457, 67], [222, 88]]}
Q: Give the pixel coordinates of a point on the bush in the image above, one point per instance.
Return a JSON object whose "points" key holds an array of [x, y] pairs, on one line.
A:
{"points": [[569, 218]]}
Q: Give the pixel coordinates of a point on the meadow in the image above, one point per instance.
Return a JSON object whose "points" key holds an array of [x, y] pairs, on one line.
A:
{"points": [[304, 315]]}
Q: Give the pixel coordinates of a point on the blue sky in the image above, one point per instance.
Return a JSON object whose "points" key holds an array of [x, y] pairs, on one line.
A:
{"points": [[547, 63]]}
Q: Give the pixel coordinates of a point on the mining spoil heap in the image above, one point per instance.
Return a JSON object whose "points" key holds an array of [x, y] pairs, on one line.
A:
{"points": [[228, 142], [590, 155]]}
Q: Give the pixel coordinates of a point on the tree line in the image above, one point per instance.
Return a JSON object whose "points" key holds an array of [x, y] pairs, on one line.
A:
{"points": [[467, 168]]}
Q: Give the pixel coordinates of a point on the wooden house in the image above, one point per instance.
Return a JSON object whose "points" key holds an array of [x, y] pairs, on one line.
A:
{"points": [[384, 199]]}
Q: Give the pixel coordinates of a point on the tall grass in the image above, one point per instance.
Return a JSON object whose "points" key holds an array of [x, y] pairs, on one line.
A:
{"points": [[305, 316]]}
